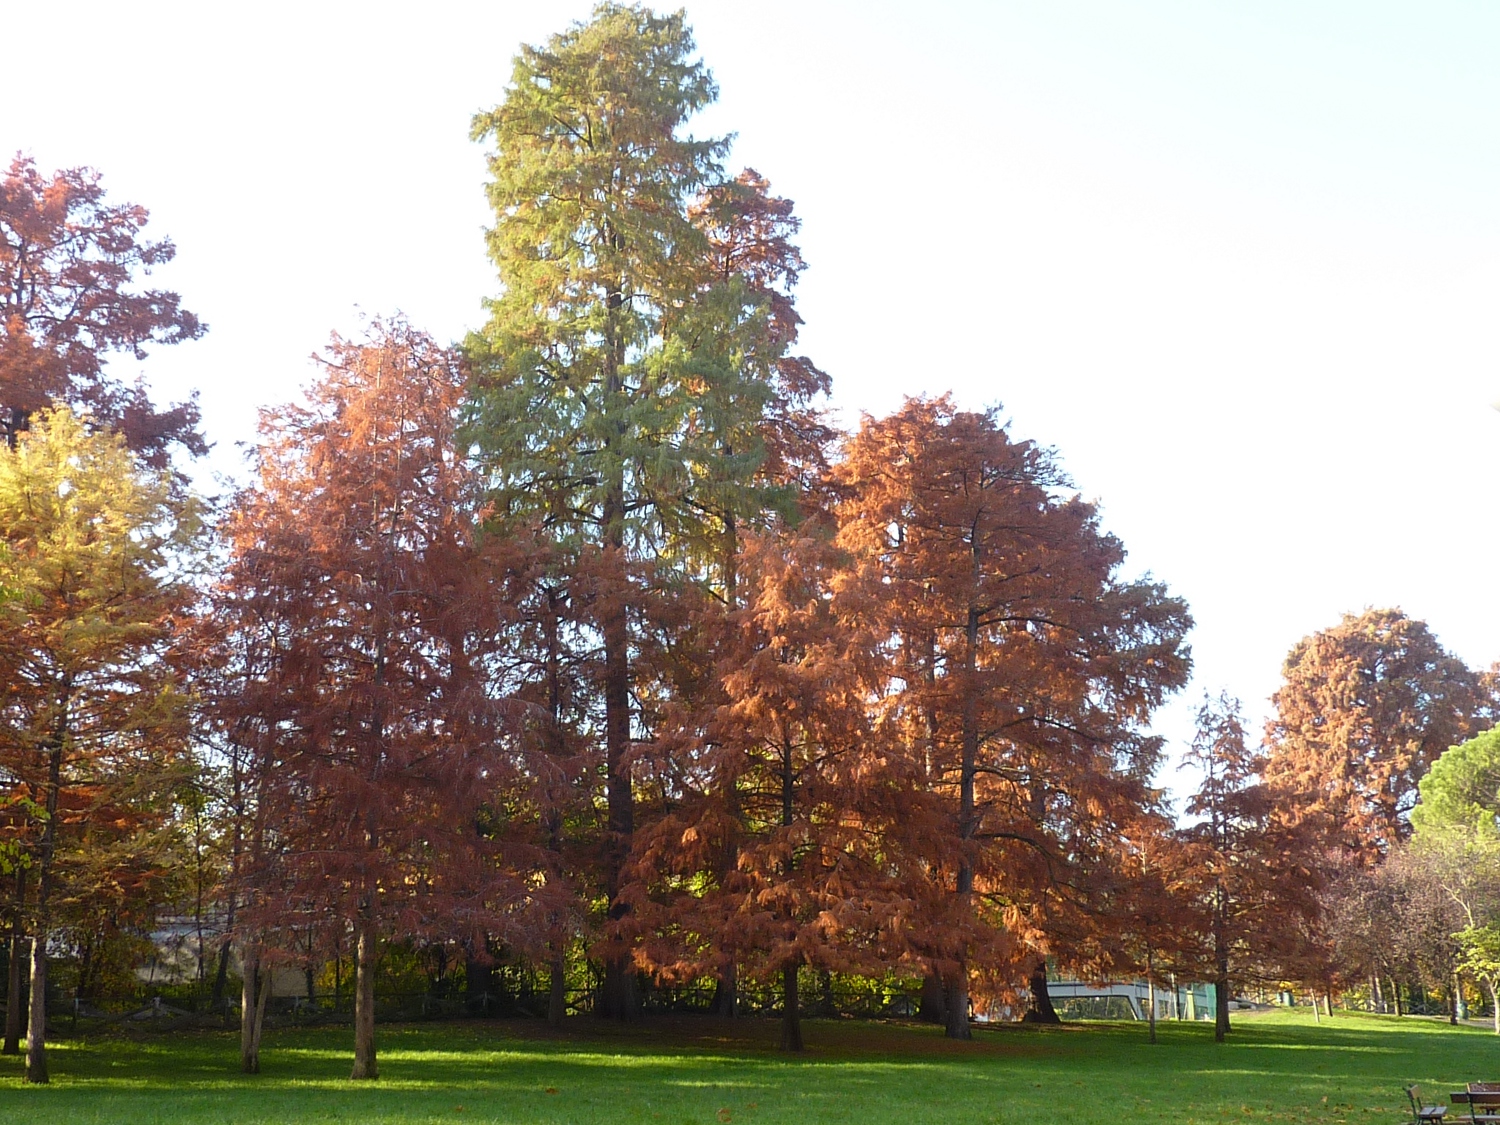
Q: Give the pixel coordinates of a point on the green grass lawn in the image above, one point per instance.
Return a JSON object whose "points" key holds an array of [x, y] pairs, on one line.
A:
{"points": [[1278, 1067]]}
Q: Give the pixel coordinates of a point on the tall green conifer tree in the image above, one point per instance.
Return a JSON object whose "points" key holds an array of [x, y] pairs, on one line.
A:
{"points": [[624, 381]]}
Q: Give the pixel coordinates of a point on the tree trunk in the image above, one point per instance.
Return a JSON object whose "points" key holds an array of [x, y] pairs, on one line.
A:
{"points": [[255, 992], [791, 1016], [1041, 1010], [956, 1005], [36, 1015], [726, 1001], [931, 1009], [956, 993], [15, 1002], [1317, 1015], [364, 1003], [1396, 997], [36, 1024], [1150, 999], [618, 994], [1377, 999], [249, 1055], [1221, 963], [15, 993], [826, 1007], [557, 994], [216, 996], [1494, 1002], [1221, 1001], [479, 983], [617, 998]]}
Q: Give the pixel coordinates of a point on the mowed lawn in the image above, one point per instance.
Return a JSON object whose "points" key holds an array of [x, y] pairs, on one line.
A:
{"points": [[1279, 1066]]}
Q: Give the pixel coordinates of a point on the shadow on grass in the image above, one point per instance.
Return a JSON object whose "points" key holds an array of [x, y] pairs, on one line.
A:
{"points": [[1276, 1066]]}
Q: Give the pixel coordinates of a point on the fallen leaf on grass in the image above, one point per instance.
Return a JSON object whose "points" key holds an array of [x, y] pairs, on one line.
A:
{"points": [[551, 1089]]}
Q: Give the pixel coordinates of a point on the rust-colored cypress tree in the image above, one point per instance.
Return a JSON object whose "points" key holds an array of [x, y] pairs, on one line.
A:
{"points": [[1363, 711], [68, 263], [742, 330], [790, 776], [1024, 672], [378, 739], [1251, 868]]}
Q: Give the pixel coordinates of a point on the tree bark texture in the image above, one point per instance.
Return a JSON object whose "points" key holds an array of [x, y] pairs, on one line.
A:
{"points": [[364, 1003], [36, 1024], [956, 1005]]}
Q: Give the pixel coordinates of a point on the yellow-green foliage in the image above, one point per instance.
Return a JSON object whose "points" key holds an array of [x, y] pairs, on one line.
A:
{"points": [[92, 550]]}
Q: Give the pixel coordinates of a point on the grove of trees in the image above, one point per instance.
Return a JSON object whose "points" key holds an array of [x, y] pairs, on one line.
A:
{"points": [[590, 644]]}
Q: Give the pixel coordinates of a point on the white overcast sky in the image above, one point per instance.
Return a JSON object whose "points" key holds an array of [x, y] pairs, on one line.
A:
{"points": [[1239, 263]]}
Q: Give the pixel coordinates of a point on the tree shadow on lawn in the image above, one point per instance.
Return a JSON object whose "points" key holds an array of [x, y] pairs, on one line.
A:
{"points": [[671, 1069]]}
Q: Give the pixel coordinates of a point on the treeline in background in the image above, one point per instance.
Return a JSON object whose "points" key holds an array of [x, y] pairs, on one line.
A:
{"points": [[586, 665]]}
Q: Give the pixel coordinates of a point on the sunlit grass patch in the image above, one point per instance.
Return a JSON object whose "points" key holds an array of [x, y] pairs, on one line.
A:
{"points": [[1277, 1067]]}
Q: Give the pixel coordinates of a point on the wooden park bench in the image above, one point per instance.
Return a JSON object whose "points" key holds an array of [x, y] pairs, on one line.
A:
{"points": [[1423, 1114], [1484, 1105]]}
